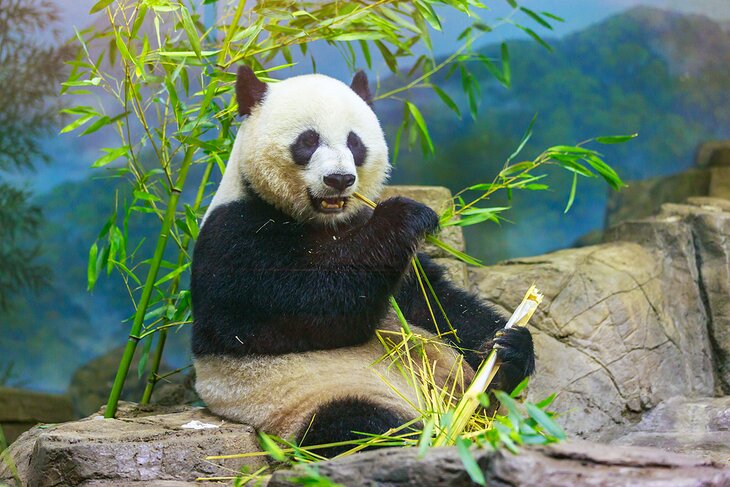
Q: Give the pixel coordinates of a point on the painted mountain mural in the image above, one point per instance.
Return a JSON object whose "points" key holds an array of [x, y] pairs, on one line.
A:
{"points": [[663, 75]]}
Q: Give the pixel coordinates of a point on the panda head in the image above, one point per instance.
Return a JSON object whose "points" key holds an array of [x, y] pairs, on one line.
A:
{"points": [[308, 144]]}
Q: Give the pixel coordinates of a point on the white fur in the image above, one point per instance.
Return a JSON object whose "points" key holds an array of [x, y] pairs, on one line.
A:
{"points": [[261, 151], [280, 394]]}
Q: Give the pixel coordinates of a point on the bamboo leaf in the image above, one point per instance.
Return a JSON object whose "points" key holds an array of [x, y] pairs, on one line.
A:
{"points": [[545, 421], [428, 14], [525, 138], [571, 198], [396, 144], [366, 54], [141, 195], [606, 171], [493, 69], [569, 149], [173, 274], [387, 56], [615, 139], [571, 163], [506, 70], [101, 122], [536, 17], [76, 123], [268, 445], [91, 270], [191, 31], [536, 37], [111, 155], [192, 222], [511, 405], [358, 36], [100, 5], [514, 168], [478, 215], [470, 464], [553, 16], [520, 387], [547, 401], [446, 99], [455, 252], [421, 123], [425, 440]]}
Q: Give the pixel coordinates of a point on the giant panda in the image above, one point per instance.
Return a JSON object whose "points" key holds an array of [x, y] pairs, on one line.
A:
{"points": [[291, 275]]}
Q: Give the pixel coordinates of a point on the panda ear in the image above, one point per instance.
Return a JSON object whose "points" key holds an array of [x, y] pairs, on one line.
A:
{"points": [[360, 86], [249, 90]]}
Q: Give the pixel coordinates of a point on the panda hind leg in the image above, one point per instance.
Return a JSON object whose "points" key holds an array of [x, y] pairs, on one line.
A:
{"points": [[337, 421]]}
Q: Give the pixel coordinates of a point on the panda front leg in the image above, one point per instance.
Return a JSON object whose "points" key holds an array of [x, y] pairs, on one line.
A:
{"points": [[479, 327]]}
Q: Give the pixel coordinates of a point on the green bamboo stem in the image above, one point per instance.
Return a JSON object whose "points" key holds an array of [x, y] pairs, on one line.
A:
{"points": [[130, 348], [153, 378], [154, 368]]}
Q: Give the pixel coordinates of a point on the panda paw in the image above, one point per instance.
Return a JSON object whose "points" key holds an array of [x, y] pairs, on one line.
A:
{"points": [[514, 350], [416, 219]]}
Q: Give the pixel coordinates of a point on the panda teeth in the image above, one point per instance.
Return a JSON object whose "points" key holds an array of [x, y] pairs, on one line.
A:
{"points": [[332, 205]]}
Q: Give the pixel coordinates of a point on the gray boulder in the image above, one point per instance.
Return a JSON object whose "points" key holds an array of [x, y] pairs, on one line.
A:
{"points": [[567, 464], [140, 445], [696, 238], [607, 337], [694, 426], [631, 323]]}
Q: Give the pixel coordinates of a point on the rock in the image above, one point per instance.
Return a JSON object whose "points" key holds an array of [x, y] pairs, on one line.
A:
{"points": [[145, 483], [141, 445], [567, 464], [715, 153], [695, 235], [694, 426], [21, 410], [644, 198], [621, 328], [180, 391], [719, 183], [438, 198]]}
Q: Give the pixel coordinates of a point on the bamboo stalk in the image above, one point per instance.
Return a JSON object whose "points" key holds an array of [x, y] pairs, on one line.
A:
{"points": [[129, 349], [152, 377], [169, 219], [469, 402]]}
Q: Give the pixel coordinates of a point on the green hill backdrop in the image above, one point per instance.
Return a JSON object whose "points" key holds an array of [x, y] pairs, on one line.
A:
{"points": [[663, 75]]}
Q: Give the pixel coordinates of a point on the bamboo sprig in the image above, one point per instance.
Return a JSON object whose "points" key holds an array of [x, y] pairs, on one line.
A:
{"points": [[469, 402]]}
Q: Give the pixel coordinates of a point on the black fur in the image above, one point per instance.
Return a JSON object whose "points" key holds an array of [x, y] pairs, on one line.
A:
{"points": [[264, 284], [341, 420], [360, 86], [304, 147], [250, 91], [358, 149]]}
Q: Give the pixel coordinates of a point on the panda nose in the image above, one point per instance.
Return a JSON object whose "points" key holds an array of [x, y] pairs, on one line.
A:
{"points": [[339, 181]]}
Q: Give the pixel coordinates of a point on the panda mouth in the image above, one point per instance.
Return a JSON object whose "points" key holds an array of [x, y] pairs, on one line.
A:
{"points": [[329, 205]]}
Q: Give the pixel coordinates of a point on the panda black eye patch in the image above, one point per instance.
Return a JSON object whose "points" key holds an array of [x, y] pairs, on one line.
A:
{"points": [[358, 149], [304, 147]]}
